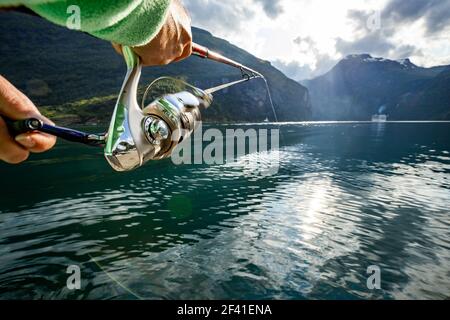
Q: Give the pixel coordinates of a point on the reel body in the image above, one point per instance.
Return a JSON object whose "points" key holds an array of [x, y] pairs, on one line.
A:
{"points": [[140, 134], [169, 120]]}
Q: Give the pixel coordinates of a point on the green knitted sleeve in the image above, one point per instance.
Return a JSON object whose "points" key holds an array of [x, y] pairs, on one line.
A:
{"points": [[127, 22]]}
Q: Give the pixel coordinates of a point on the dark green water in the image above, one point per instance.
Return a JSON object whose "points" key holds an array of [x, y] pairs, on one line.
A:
{"points": [[347, 196]]}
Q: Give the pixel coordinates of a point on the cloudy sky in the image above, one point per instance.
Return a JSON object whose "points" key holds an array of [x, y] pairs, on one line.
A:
{"points": [[305, 38]]}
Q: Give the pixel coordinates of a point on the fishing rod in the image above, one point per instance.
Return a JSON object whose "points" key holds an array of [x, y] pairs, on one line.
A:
{"points": [[205, 53], [247, 73], [139, 134]]}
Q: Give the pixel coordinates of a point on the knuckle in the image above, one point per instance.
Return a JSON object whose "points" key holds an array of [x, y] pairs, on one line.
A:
{"points": [[15, 102], [187, 51], [188, 36], [156, 61], [177, 52], [165, 62], [180, 50]]}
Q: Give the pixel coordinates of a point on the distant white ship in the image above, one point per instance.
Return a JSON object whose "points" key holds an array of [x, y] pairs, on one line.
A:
{"points": [[379, 118]]}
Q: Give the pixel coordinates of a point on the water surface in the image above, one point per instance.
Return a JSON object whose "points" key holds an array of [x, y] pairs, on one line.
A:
{"points": [[347, 196]]}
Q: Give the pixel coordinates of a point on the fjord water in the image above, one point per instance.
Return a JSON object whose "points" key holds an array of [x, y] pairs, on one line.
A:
{"points": [[347, 196]]}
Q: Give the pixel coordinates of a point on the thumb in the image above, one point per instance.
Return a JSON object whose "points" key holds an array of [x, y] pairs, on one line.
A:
{"points": [[36, 142]]}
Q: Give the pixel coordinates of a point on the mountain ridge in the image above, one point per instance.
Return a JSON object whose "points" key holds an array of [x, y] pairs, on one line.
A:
{"points": [[360, 84]]}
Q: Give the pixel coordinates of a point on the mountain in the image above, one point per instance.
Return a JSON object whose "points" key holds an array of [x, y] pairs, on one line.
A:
{"points": [[360, 86], [431, 101], [75, 78]]}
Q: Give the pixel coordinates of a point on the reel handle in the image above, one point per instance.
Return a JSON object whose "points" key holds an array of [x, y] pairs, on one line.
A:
{"points": [[16, 127]]}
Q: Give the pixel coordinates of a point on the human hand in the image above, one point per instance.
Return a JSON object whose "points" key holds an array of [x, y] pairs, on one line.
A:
{"points": [[16, 106], [172, 43]]}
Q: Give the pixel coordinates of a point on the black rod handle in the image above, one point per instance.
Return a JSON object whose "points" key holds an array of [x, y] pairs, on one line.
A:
{"points": [[17, 127]]}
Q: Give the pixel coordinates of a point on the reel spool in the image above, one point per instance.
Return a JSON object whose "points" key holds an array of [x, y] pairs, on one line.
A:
{"points": [[172, 117]]}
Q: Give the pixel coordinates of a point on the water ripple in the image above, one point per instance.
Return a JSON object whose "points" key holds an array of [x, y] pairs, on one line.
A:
{"points": [[346, 196]]}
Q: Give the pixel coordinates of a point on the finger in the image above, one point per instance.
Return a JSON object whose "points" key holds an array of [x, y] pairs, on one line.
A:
{"points": [[36, 142], [187, 51], [10, 151], [14, 104], [151, 57], [117, 47], [149, 61]]}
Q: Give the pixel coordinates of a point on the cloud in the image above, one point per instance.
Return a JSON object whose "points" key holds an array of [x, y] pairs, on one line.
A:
{"points": [[272, 8], [230, 14], [373, 43], [307, 42], [406, 51], [299, 72], [293, 69], [226, 14], [436, 13], [375, 33], [379, 41], [306, 46]]}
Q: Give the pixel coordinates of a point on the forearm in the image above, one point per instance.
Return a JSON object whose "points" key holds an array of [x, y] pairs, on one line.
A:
{"points": [[127, 22]]}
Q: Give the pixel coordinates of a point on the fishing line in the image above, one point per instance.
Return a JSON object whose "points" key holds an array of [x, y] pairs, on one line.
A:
{"points": [[270, 99], [224, 86], [227, 85], [115, 280]]}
